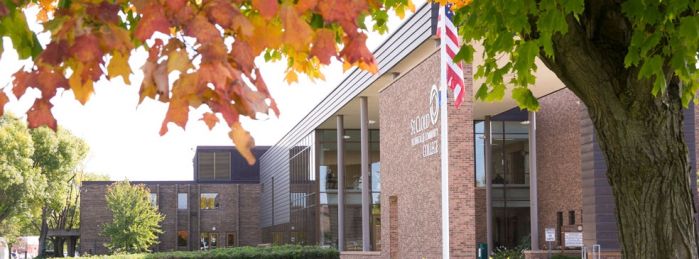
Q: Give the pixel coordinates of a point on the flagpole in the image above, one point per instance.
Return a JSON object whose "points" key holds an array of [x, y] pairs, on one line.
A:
{"points": [[444, 135]]}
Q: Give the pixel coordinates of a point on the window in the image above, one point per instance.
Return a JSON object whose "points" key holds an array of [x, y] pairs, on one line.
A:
{"points": [[230, 239], [571, 217], [214, 165], [182, 237], [559, 225], [154, 199], [208, 201], [182, 201], [208, 240]]}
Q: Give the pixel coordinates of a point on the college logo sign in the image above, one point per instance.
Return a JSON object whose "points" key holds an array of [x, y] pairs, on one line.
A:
{"points": [[423, 129]]}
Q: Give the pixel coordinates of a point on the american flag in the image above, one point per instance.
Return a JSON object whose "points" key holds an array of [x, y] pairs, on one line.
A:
{"points": [[449, 47]]}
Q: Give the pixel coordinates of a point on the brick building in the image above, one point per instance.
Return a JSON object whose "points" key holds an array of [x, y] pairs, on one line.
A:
{"points": [[362, 172], [219, 208]]}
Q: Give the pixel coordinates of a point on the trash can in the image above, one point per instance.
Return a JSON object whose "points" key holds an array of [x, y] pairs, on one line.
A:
{"points": [[482, 251]]}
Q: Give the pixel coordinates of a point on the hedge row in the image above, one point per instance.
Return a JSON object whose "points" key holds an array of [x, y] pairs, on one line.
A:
{"points": [[273, 252]]}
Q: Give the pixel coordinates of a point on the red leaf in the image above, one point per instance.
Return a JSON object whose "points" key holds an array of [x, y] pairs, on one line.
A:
{"points": [[104, 12], [86, 49], [22, 80], [243, 57], [3, 101], [345, 12], [40, 115], [202, 29], [324, 46], [356, 51], [54, 53], [267, 8], [221, 12], [49, 81], [175, 5], [115, 38], [209, 118], [153, 20]]}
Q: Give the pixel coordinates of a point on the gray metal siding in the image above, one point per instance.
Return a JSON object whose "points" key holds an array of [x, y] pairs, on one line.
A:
{"points": [[274, 166]]}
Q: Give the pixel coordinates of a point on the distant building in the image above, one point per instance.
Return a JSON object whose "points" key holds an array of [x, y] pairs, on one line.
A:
{"points": [[219, 208]]}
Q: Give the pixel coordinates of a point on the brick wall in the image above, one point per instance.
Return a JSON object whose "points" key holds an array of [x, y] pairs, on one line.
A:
{"points": [[239, 206], [558, 160], [414, 180]]}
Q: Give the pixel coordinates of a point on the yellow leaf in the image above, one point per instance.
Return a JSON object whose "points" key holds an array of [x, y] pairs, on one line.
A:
{"points": [[82, 89], [291, 77], [119, 66], [178, 60], [243, 142]]}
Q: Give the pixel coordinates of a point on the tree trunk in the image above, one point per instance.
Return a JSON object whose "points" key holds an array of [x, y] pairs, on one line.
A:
{"points": [[640, 134], [43, 231]]}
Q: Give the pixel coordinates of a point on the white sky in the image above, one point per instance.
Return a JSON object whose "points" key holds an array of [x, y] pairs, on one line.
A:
{"points": [[123, 137]]}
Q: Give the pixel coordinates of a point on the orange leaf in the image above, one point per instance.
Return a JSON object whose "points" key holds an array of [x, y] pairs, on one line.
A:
{"points": [[153, 20], [267, 8], [291, 77], [297, 32], [178, 60], [3, 101], [243, 142], [210, 119], [40, 115], [266, 34], [305, 5], [344, 12], [221, 12], [324, 46], [177, 112], [82, 87]]}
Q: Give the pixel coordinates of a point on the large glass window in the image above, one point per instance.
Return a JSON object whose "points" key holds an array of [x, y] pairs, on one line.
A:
{"points": [[208, 201], [303, 193], [353, 188], [182, 201], [510, 182], [479, 148], [154, 199]]}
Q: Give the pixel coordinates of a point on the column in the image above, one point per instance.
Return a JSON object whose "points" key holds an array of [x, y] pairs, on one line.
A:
{"points": [[533, 195], [340, 183], [488, 184], [366, 186]]}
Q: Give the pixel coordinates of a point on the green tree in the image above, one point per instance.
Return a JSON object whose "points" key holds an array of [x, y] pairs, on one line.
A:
{"points": [[633, 63], [57, 156], [21, 184], [135, 222]]}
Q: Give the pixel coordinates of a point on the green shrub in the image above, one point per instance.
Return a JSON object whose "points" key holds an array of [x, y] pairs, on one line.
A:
{"points": [[247, 252], [560, 256]]}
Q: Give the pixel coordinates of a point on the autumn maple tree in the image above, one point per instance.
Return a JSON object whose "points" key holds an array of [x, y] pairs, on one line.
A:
{"points": [[211, 45]]}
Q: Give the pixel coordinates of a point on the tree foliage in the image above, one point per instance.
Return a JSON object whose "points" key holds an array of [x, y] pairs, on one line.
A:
{"points": [[135, 222], [38, 171], [208, 46], [21, 184], [662, 41]]}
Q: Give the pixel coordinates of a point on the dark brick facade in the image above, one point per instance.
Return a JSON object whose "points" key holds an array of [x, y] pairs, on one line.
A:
{"points": [[237, 215]]}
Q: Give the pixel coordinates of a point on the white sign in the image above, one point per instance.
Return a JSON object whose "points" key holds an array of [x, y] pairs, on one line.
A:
{"points": [[573, 239], [550, 234], [423, 131]]}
